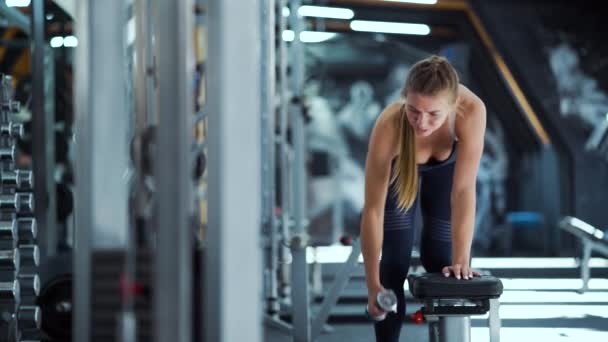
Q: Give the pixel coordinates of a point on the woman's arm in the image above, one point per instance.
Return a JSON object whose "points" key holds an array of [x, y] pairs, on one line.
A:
{"points": [[381, 150], [471, 125]]}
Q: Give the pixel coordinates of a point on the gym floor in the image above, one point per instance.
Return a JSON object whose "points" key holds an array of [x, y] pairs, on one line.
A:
{"points": [[537, 304]]}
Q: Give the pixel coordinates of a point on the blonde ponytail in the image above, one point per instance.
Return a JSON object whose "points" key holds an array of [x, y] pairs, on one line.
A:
{"points": [[405, 172]]}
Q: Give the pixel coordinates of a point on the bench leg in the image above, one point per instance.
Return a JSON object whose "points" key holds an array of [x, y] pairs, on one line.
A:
{"points": [[434, 331], [585, 265], [494, 320], [455, 329]]}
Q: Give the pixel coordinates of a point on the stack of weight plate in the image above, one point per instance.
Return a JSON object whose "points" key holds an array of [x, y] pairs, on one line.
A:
{"points": [[19, 255]]}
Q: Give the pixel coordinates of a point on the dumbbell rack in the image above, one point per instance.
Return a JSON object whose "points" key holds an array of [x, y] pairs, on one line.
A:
{"points": [[19, 254]]}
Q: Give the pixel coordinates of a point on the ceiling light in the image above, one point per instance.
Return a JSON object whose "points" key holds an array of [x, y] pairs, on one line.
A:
{"points": [[389, 27], [423, 2], [18, 3], [308, 36], [326, 12]]}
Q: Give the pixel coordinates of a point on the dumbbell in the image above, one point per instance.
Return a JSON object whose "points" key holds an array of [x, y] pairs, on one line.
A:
{"points": [[385, 301], [29, 317], [11, 106], [21, 203], [29, 255], [13, 130], [10, 259], [22, 230], [30, 285], [22, 180], [26, 229], [10, 291], [8, 230], [7, 153]]}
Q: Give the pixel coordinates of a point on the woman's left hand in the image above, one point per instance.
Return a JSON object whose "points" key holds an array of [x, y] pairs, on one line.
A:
{"points": [[460, 271]]}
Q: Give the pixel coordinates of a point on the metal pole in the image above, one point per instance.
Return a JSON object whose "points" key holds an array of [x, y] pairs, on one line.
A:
{"points": [[494, 320], [81, 322], [333, 294], [299, 275], [43, 136], [233, 264], [269, 224], [101, 145], [284, 253], [455, 329], [173, 276]]}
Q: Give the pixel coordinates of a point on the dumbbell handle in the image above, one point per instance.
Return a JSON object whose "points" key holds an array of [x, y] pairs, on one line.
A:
{"points": [[14, 130], [10, 290], [10, 259], [385, 301], [8, 230], [7, 153]]}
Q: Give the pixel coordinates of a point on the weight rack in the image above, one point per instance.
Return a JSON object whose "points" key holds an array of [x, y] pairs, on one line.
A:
{"points": [[19, 252]]}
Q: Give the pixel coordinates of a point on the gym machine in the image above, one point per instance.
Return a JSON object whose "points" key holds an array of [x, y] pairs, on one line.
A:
{"points": [[591, 239]]}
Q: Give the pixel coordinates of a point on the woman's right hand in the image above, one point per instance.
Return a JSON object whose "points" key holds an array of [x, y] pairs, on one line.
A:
{"points": [[372, 307]]}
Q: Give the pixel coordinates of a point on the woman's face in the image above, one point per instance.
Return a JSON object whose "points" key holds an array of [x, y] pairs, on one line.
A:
{"points": [[427, 113]]}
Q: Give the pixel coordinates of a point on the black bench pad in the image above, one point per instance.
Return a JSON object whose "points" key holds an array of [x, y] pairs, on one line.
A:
{"points": [[437, 286]]}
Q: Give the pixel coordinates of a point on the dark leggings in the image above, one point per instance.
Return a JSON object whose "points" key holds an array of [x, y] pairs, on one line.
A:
{"points": [[435, 242]]}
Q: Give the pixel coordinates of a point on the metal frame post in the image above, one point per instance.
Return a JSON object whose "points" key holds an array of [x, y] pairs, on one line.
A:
{"points": [[455, 329], [299, 275], [284, 253], [233, 263], [494, 320], [43, 135], [175, 237], [101, 145], [585, 270], [268, 109]]}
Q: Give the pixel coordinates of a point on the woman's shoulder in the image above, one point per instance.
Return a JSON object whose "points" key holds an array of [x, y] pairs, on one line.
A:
{"points": [[387, 128], [470, 109], [391, 115]]}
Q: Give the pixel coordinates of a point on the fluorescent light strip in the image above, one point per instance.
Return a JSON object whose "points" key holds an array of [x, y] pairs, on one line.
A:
{"points": [[321, 12], [552, 334], [389, 27], [18, 3], [326, 12], [308, 37], [423, 2]]}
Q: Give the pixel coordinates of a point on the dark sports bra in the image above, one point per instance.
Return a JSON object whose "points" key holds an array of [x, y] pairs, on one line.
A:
{"points": [[434, 163]]}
